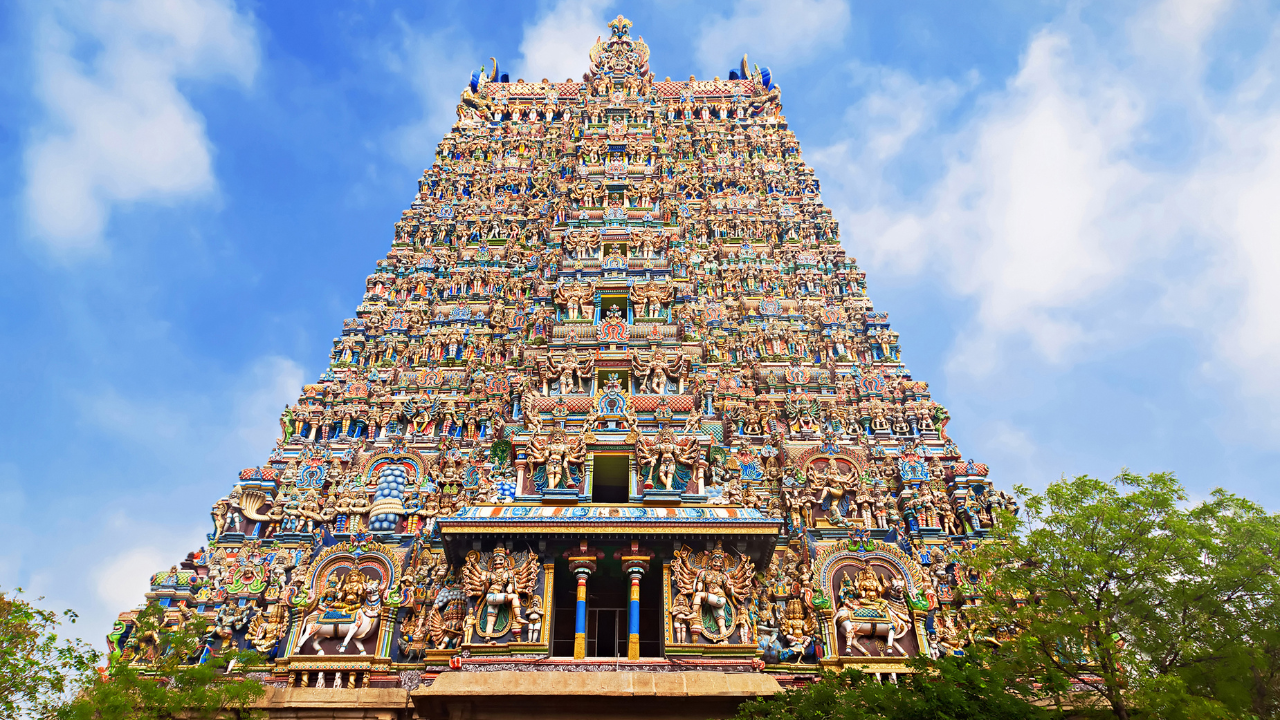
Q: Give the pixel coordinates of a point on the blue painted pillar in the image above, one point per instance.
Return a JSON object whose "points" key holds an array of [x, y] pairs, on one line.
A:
{"points": [[633, 619], [582, 562], [635, 563], [580, 619]]}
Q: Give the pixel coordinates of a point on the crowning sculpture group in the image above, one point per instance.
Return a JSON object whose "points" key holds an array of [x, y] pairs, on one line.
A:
{"points": [[616, 316]]}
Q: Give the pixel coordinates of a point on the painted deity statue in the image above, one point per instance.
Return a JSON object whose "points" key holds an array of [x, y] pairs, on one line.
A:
{"points": [[717, 584], [656, 370], [557, 454], [660, 456], [501, 585]]}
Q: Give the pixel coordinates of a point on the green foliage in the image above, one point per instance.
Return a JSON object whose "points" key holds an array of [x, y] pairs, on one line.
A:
{"points": [[177, 676], [38, 669], [955, 688], [43, 676], [1153, 608]]}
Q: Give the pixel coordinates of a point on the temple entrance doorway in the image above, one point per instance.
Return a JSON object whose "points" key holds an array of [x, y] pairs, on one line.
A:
{"points": [[608, 617]]}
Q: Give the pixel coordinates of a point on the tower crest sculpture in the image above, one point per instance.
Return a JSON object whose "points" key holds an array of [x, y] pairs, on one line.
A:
{"points": [[616, 394]]}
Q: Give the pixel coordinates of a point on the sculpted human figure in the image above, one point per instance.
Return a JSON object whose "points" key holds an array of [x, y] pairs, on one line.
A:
{"points": [[569, 368], [499, 584], [557, 453], [715, 586], [656, 370], [681, 618], [662, 454], [348, 607]]}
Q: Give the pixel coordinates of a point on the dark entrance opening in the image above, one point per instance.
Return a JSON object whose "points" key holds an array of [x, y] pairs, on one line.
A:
{"points": [[610, 478], [651, 611], [608, 616], [564, 596]]}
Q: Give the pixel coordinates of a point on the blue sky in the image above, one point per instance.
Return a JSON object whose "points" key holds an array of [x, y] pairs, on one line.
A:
{"points": [[1070, 211]]}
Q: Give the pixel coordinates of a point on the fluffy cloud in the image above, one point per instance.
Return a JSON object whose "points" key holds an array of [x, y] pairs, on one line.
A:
{"points": [[239, 421], [555, 47], [781, 34], [117, 127], [1066, 209], [436, 67]]}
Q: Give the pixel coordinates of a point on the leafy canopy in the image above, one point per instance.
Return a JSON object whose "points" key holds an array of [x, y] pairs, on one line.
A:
{"points": [[969, 687], [48, 677], [1144, 604]]}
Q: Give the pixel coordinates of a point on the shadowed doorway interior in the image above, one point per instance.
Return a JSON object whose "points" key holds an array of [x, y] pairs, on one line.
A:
{"points": [[608, 591], [610, 478]]}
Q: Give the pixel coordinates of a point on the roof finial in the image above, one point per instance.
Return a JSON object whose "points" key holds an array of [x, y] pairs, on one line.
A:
{"points": [[620, 25]]}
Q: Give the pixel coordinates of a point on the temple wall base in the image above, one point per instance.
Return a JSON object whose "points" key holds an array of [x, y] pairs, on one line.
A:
{"points": [[508, 695], [589, 695]]}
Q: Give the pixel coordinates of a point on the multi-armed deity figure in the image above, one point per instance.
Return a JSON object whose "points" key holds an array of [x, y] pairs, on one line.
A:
{"points": [[713, 582], [656, 370], [650, 298], [569, 368], [348, 608], [501, 585], [872, 606], [660, 457], [577, 299], [557, 453]]}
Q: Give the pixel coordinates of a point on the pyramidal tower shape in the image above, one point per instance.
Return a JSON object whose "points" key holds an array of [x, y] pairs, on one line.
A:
{"points": [[615, 402]]}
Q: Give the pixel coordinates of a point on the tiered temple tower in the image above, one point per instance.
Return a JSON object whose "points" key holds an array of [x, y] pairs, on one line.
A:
{"points": [[615, 424]]}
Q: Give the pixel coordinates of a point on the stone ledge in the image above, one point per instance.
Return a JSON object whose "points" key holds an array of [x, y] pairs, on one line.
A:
{"points": [[277, 699], [510, 683]]}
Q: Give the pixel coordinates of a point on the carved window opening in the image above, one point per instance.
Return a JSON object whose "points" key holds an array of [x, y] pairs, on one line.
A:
{"points": [[610, 478], [621, 302]]}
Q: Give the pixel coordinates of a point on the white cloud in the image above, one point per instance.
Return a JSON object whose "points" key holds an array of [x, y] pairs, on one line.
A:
{"points": [[1059, 213], [1242, 191], [118, 129], [1034, 209], [240, 421], [778, 34], [436, 67], [271, 383], [1175, 30], [122, 581], [555, 47]]}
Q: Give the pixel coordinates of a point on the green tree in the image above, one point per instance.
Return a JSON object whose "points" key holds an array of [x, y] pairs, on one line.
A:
{"points": [[1146, 607], [970, 687], [174, 674], [38, 669]]}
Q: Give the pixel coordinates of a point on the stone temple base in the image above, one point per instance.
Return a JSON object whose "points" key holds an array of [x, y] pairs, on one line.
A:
{"points": [[696, 695]]}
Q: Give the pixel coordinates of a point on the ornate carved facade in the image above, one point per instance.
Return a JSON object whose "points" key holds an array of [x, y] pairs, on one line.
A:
{"points": [[616, 398]]}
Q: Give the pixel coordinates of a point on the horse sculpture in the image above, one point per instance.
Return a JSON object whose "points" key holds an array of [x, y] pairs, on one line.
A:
{"points": [[354, 625], [873, 617]]}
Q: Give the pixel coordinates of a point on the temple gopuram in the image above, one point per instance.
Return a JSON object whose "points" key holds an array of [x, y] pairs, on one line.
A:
{"points": [[615, 430]]}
